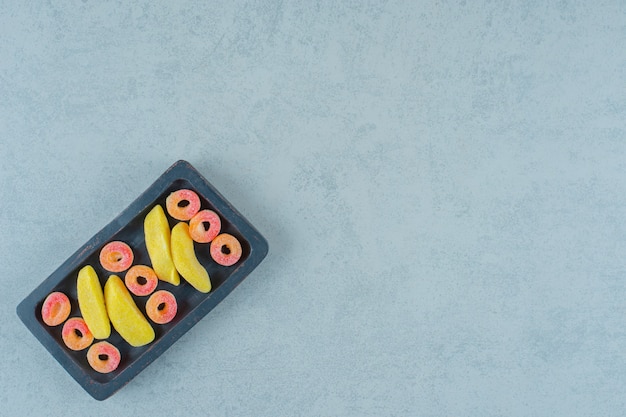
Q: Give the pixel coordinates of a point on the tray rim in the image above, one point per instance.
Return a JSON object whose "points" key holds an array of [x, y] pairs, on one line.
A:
{"points": [[180, 170]]}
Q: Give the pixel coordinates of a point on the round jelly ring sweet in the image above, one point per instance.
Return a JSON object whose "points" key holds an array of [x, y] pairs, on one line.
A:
{"points": [[198, 229], [182, 204], [161, 307], [103, 357], [116, 256], [141, 280], [76, 335], [226, 249], [56, 308]]}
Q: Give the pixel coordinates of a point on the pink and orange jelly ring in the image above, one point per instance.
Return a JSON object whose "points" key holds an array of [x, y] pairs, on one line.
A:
{"points": [[204, 226], [116, 256], [225, 249], [76, 334], [161, 307], [55, 309], [182, 204], [141, 280], [103, 357]]}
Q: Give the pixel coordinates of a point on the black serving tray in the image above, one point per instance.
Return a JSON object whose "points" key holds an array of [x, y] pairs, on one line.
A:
{"points": [[192, 304]]}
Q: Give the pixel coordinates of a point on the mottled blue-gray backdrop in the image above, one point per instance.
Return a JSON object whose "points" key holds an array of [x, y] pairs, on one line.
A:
{"points": [[442, 184]]}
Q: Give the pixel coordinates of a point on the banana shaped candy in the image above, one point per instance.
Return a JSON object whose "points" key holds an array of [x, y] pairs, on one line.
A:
{"points": [[91, 303], [157, 235], [185, 259], [125, 316]]}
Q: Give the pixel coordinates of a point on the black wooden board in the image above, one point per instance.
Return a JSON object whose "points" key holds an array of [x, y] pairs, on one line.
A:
{"points": [[192, 305]]}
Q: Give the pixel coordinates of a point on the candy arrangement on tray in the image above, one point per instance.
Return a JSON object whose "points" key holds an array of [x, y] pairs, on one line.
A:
{"points": [[143, 281]]}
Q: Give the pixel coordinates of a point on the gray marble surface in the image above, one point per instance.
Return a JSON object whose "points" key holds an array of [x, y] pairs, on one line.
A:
{"points": [[442, 185]]}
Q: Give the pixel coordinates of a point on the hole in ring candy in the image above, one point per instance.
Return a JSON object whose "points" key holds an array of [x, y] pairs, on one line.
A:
{"points": [[141, 280], [161, 307], [204, 226], [103, 357], [116, 256], [225, 249], [56, 308], [182, 204], [76, 335]]}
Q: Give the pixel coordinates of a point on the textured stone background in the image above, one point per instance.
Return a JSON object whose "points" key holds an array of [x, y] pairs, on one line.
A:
{"points": [[442, 185]]}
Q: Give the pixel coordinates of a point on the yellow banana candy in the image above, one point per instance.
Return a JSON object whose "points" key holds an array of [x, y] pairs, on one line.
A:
{"points": [[185, 259], [91, 303], [157, 234], [125, 316]]}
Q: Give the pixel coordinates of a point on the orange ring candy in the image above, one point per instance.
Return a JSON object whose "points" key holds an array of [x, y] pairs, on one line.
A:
{"points": [[116, 256], [103, 357], [76, 335], [141, 280], [225, 249], [56, 308], [161, 307], [198, 229], [182, 204]]}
